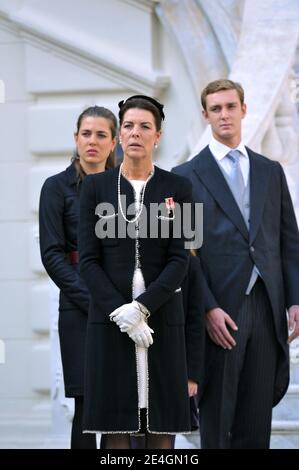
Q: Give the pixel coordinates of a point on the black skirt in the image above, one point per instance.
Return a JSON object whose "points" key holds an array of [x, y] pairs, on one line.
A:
{"points": [[72, 325]]}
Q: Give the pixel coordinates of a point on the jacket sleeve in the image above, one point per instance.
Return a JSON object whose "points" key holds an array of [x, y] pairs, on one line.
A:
{"points": [[162, 288], [289, 245], [209, 299], [195, 321], [105, 296], [52, 245]]}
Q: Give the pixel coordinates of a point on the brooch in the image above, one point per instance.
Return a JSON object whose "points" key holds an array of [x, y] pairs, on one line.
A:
{"points": [[170, 206]]}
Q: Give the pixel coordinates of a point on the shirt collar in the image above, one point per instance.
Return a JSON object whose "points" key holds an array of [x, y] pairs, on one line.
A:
{"points": [[220, 150]]}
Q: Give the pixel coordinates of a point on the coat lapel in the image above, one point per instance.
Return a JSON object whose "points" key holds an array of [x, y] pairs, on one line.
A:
{"points": [[259, 182], [151, 187], [210, 174]]}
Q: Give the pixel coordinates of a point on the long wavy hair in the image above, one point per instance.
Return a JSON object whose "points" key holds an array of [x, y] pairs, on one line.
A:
{"points": [[95, 111]]}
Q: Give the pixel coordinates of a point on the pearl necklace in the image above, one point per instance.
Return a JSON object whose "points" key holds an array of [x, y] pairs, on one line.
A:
{"points": [[137, 216]]}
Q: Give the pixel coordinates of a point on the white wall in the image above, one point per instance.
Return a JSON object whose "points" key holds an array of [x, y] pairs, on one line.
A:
{"points": [[56, 58]]}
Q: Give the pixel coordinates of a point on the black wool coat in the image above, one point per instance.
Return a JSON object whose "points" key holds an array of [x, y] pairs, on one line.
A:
{"points": [[107, 266], [58, 224]]}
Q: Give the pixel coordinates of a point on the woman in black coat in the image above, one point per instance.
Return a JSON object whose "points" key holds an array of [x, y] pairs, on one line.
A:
{"points": [[194, 310], [133, 261], [58, 219]]}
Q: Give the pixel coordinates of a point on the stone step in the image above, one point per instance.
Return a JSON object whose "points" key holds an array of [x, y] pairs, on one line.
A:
{"points": [[285, 434], [21, 428], [188, 441], [34, 435], [288, 408], [294, 372], [33, 443], [31, 433]]}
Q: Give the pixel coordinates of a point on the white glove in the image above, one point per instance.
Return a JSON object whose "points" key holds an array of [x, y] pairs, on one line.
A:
{"points": [[127, 316], [141, 334]]}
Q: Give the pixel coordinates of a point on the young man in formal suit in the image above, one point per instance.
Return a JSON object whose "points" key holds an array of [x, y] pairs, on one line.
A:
{"points": [[250, 257]]}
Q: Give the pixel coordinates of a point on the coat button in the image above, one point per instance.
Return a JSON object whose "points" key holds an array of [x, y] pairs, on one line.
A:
{"points": [[252, 249]]}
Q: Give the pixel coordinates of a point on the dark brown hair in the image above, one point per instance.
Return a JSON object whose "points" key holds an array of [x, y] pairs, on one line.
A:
{"points": [[98, 111], [220, 85], [142, 102]]}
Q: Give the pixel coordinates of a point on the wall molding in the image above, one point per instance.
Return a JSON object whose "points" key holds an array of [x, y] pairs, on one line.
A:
{"points": [[34, 32], [145, 5]]}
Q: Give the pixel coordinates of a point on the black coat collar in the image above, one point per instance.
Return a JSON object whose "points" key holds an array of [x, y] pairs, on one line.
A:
{"points": [[208, 171]]}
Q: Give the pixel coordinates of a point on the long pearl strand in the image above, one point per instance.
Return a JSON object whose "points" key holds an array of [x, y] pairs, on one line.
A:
{"points": [[137, 216]]}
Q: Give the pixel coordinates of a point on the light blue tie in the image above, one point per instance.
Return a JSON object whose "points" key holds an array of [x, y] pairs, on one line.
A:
{"points": [[237, 186], [236, 179]]}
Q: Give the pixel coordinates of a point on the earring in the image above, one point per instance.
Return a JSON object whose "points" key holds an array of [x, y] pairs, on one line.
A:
{"points": [[119, 141], [156, 146]]}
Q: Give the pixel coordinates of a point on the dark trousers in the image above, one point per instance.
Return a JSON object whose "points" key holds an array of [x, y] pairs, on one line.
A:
{"points": [[78, 439], [135, 442], [236, 408]]}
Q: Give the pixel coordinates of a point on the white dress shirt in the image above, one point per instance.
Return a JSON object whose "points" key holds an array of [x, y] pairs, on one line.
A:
{"points": [[138, 289], [219, 151]]}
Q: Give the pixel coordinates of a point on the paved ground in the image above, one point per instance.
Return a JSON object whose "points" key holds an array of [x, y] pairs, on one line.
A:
{"points": [[191, 441], [31, 438]]}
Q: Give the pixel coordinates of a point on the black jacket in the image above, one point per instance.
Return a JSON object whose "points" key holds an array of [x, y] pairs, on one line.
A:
{"points": [[58, 223], [230, 251], [107, 266]]}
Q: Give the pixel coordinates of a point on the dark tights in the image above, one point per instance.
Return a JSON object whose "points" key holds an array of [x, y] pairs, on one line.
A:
{"points": [[151, 441], [78, 439]]}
